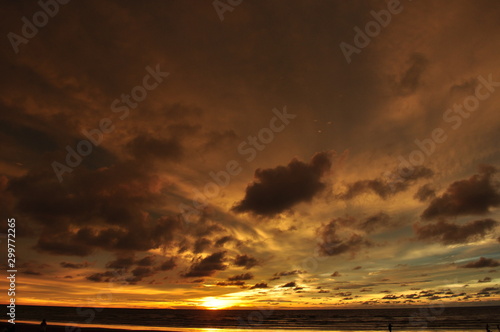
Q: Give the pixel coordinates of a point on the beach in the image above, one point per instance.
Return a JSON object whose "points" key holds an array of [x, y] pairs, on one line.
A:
{"points": [[35, 327]]}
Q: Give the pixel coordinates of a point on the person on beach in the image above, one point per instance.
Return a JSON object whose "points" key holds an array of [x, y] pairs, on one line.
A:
{"points": [[390, 327], [43, 325], [488, 328]]}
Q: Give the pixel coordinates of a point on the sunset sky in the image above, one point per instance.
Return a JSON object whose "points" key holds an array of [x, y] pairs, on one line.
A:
{"points": [[284, 154]]}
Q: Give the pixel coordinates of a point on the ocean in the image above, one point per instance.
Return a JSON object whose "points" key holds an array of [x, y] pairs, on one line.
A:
{"points": [[402, 319]]}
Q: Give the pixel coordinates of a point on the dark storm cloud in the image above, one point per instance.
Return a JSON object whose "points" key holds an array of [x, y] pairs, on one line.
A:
{"points": [[275, 190], [137, 237], [331, 244], [425, 192], [449, 233], [102, 276], [223, 240], [99, 206], [207, 266], [259, 285], [482, 262], [121, 263], [169, 264], [204, 227], [42, 143], [68, 265], [142, 272], [385, 187], [139, 273], [26, 135], [116, 197], [201, 244], [146, 261], [410, 80], [245, 261], [244, 276], [485, 279], [289, 273], [197, 281], [289, 284], [144, 267], [103, 192], [488, 291], [231, 283], [391, 297], [475, 195], [52, 244], [375, 222]]}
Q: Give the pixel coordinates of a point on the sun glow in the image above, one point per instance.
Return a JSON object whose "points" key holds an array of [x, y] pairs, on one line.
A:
{"points": [[214, 303]]}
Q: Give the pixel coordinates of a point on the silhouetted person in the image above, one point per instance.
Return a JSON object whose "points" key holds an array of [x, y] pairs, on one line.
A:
{"points": [[488, 328], [390, 327], [498, 328], [43, 325]]}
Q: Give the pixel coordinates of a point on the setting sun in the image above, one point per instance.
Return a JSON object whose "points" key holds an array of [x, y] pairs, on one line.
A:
{"points": [[214, 303]]}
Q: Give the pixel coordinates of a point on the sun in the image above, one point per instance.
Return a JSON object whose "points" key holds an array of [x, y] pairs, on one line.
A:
{"points": [[214, 303]]}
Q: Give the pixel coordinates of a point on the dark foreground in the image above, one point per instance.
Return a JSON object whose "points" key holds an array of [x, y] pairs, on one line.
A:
{"points": [[422, 319]]}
